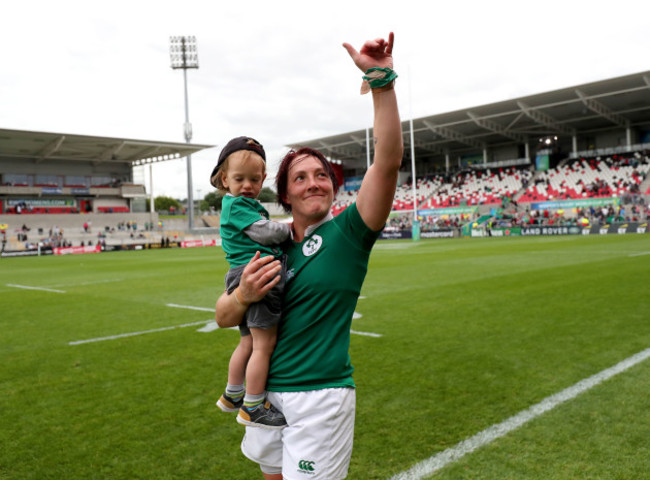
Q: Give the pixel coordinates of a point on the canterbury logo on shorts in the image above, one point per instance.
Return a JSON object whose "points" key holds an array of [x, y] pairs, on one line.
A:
{"points": [[306, 466]]}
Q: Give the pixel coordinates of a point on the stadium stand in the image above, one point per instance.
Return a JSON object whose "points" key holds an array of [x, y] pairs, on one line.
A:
{"points": [[511, 191], [587, 144], [343, 199], [51, 184], [26, 231], [424, 188], [615, 176], [501, 163], [478, 187]]}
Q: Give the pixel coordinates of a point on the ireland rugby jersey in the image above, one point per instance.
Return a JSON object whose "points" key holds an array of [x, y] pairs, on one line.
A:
{"points": [[324, 276]]}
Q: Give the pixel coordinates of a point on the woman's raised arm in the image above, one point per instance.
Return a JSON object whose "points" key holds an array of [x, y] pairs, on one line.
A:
{"points": [[375, 198]]}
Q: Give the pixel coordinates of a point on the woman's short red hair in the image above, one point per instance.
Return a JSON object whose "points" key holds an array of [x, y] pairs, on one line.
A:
{"points": [[282, 177]]}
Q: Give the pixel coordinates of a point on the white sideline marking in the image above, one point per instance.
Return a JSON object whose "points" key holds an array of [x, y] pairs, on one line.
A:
{"points": [[638, 254], [190, 307], [210, 327], [433, 464], [35, 288], [133, 334], [394, 246], [88, 283], [213, 326], [367, 334]]}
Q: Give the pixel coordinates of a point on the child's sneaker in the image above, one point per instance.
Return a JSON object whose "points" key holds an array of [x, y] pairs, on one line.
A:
{"points": [[263, 415], [228, 404]]}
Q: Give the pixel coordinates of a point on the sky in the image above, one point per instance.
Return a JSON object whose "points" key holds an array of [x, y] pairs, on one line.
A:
{"points": [[277, 71]]}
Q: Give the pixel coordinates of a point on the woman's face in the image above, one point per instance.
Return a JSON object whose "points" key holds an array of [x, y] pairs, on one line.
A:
{"points": [[309, 189]]}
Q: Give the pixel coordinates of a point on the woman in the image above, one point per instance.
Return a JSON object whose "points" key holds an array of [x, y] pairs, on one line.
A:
{"points": [[310, 378]]}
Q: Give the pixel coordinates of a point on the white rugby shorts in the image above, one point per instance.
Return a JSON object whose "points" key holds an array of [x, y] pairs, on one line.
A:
{"points": [[317, 442]]}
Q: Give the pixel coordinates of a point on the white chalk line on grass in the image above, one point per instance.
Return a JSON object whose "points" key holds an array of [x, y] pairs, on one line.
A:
{"points": [[638, 254], [394, 246], [207, 326], [366, 334], [210, 328], [82, 284], [435, 463], [190, 307], [26, 287], [133, 334]]}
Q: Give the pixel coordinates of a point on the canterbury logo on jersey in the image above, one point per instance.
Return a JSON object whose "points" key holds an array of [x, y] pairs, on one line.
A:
{"points": [[312, 245], [290, 274], [306, 466]]}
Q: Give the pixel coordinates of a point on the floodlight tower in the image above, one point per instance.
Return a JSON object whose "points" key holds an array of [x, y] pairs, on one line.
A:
{"points": [[184, 55]]}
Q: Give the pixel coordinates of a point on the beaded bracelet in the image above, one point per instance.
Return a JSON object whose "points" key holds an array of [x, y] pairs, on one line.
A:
{"points": [[376, 78]]}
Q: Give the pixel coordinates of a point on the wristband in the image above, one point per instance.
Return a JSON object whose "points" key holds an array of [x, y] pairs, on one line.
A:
{"points": [[376, 78]]}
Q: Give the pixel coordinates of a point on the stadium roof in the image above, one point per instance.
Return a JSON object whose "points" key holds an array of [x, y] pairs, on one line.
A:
{"points": [[41, 146], [616, 103]]}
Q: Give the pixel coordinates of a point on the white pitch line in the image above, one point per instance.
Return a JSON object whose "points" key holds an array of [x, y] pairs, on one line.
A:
{"points": [[133, 334], [638, 254], [25, 287], [431, 465], [81, 284], [394, 246], [189, 307], [367, 334], [207, 329]]}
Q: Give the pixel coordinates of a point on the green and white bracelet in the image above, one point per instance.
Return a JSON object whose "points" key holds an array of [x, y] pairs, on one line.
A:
{"points": [[376, 77]]}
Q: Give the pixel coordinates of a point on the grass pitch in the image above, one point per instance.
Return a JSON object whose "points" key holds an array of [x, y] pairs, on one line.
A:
{"points": [[473, 331]]}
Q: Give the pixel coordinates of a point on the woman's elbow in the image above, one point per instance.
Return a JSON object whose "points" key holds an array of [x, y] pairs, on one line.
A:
{"points": [[219, 316]]}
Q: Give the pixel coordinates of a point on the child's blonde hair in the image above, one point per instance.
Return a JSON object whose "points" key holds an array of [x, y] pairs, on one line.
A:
{"points": [[245, 155]]}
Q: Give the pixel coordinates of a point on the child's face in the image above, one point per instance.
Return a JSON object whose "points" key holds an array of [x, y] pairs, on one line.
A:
{"points": [[244, 175]]}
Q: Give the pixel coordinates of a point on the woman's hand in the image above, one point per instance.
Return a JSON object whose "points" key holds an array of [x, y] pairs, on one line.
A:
{"points": [[258, 277], [374, 53], [375, 197]]}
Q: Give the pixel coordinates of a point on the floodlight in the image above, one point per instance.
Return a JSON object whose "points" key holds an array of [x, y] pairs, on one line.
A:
{"points": [[183, 52], [184, 55]]}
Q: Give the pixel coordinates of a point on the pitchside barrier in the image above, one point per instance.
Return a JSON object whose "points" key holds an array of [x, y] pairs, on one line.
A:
{"points": [[114, 248], [554, 230], [408, 234], [529, 231]]}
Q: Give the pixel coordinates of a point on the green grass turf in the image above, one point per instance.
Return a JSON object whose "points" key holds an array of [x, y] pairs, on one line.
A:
{"points": [[473, 332]]}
